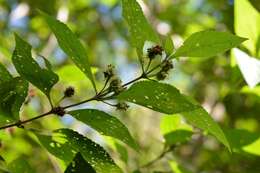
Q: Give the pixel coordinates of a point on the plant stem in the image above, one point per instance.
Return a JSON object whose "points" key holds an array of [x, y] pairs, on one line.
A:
{"points": [[100, 96]]}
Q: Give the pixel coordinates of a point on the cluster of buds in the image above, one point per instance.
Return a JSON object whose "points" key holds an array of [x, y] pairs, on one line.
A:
{"points": [[69, 92], [110, 72], [154, 51], [58, 111], [165, 68], [116, 85], [122, 106]]}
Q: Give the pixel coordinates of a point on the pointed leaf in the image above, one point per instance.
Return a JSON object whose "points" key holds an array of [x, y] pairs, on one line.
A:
{"points": [[140, 29], [105, 124], [79, 165], [65, 143], [71, 45], [28, 68], [201, 119], [13, 94], [207, 44], [157, 96]]}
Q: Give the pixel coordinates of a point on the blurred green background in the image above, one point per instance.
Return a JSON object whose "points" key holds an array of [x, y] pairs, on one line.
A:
{"points": [[214, 82]]}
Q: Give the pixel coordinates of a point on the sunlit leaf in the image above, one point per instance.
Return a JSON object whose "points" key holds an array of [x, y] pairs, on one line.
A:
{"points": [[105, 124], [66, 143], [157, 96], [27, 67], [176, 168], [201, 119], [168, 45], [174, 129], [79, 165], [140, 29], [247, 24], [71, 45], [207, 44], [249, 66]]}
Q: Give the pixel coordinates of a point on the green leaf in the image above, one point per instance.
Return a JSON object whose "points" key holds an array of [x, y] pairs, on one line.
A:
{"points": [[105, 124], [244, 141], [3, 165], [177, 136], [79, 165], [247, 24], [157, 96], [176, 168], [20, 165], [13, 93], [201, 119], [168, 45], [207, 44], [71, 45], [140, 29], [4, 74], [27, 67], [65, 143]]}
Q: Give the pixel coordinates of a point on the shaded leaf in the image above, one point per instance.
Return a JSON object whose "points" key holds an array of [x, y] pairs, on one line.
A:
{"points": [[4, 74], [65, 143], [79, 165], [244, 141], [140, 29], [157, 96], [71, 45], [13, 94], [20, 165], [177, 136], [176, 168], [201, 119], [28, 68], [105, 124], [208, 43]]}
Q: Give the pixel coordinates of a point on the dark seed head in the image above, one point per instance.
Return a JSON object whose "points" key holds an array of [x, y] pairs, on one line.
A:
{"points": [[58, 111], [122, 106], [156, 50], [109, 72], [161, 75], [69, 92]]}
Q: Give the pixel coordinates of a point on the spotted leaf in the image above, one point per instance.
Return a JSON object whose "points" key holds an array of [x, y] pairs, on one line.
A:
{"points": [[105, 124], [27, 67]]}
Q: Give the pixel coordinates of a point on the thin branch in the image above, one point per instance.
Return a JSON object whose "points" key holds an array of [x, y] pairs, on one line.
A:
{"points": [[166, 151], [100, 96]]}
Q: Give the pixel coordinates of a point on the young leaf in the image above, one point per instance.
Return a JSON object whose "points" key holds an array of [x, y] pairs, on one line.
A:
{"points": [[13, 93], [157, 96], [201, 119], [105, 124], [140, 29], [65, 143], [71, 45], [168, 45], [27, 67], [208, 43], [247, 24], [79, 165]]}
